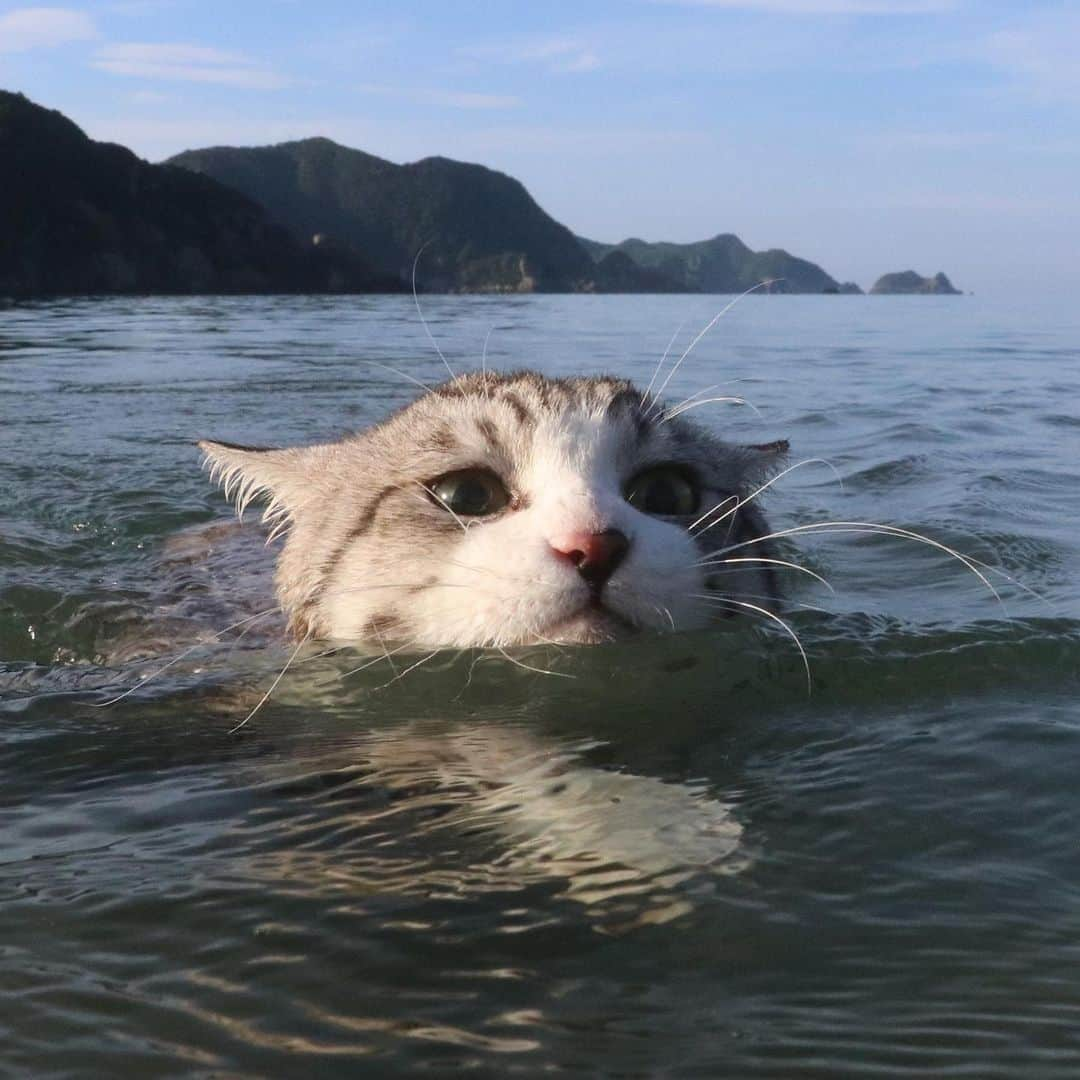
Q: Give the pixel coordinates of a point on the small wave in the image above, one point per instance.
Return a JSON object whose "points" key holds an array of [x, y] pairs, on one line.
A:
{"points": [[912, 469]]}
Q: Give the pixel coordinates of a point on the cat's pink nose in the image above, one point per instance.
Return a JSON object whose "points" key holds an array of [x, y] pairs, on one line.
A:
{"points": [[596, 555]]}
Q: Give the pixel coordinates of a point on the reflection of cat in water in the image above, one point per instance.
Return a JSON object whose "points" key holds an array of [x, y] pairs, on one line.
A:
{"points": [[508, 510]]}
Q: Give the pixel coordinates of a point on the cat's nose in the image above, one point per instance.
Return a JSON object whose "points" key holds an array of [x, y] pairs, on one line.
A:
{"points": [[596, 555]]}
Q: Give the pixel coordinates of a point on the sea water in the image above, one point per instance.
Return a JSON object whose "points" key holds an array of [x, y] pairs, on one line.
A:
{"points": [[669, 856]]}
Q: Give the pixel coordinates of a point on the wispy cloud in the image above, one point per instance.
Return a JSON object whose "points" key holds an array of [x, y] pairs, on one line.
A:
{"points": [[827, 7], [43, 28], [601, 143], [556, 54], [151, 97], [934, 141], [139, 8], [1040, 57], [187, 63], [451, 99]]}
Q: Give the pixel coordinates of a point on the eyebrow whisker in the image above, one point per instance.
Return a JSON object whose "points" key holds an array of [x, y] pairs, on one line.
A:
{"points": [[712, 322], [740, 503], [670, 414], [416, 301], [659, 366]]}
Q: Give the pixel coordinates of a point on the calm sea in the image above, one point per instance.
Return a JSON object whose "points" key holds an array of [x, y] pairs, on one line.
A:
{"points": [[675, 861]]}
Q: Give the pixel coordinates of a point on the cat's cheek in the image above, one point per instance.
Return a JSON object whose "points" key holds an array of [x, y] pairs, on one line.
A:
{"points": [[501, 586]]}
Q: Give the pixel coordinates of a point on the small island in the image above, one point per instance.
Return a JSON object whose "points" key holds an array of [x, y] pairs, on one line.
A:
{"points": [[908, 282]]}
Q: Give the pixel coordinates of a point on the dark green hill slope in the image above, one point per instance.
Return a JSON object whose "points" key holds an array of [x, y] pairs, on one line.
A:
{"points": [[723, 264], [78, 216], [479, 229]]}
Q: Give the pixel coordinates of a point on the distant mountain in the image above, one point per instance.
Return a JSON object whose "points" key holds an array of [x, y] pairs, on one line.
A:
{"points": [[723, 264], [79, 216], [617, 272], [480, 230], [908, 281]]}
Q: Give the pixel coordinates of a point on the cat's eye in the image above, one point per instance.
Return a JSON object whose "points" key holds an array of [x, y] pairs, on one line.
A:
{"points": [[664, 490], [470, 492]]}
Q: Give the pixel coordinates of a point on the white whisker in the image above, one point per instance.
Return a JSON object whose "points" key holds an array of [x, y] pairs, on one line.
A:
{"points": [[348, 590], [273, 686], [550, 585], [660, 364], [712, 322], [754, 494], [318, 656], [444, 504], [412, 667], [770, 599], [776, 619], [661, 610], [396, 371], [870, 527], [383, 646], [529, 667], [779, 562], [469, 678], [670, 414], [713, 509], [702, 392], [483, 354], [378, 659], [416, 301], [176, 659]]}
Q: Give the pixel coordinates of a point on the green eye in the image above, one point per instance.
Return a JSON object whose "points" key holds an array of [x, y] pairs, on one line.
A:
{"points": [[470, 492], [665, 491]]}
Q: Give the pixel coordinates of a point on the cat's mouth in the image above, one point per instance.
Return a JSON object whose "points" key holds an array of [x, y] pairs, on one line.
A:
{"points": [[592, 624]]}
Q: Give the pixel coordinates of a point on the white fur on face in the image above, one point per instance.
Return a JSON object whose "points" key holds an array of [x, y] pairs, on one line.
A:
{"points": [[574, 483], [503, 582]]}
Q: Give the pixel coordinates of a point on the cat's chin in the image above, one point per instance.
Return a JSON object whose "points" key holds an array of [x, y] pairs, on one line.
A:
{"points": [[591, 625]]}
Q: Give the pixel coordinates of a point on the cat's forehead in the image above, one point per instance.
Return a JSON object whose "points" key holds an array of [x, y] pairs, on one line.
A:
{"points": [[524, 411], [531, 397]]}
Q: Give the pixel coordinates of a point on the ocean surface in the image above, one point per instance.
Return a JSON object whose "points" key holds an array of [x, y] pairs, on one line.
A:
{"points": [[666, 858]]}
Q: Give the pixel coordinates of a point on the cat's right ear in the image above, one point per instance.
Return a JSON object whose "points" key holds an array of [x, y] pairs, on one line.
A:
{"points": [[762, 461], [247, 473]]}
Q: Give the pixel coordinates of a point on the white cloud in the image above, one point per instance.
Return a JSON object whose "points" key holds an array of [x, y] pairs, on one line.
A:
{"points": [[590, 142], [186, 63], [1040, 57], [445, 98], [139, 8], [929, 140], [43, 28], [159, 137], [168, 132], [556, 54], [151, 97], [828, 7]]}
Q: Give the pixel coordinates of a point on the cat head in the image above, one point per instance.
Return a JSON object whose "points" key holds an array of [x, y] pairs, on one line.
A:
{"points": [[503, 509]]}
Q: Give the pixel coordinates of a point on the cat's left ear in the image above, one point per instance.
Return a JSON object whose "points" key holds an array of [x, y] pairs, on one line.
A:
{"points": [[279, 477]]}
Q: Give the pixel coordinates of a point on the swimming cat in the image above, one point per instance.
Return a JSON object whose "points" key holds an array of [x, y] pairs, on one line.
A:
{"points": [[512, 509]]}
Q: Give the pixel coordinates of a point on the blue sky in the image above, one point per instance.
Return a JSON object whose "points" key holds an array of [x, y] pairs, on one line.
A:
{"points": [[867, 135]]}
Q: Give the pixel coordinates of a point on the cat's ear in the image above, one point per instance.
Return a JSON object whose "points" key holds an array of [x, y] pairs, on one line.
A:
{"points": [[762, 461], [247, 473]]}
